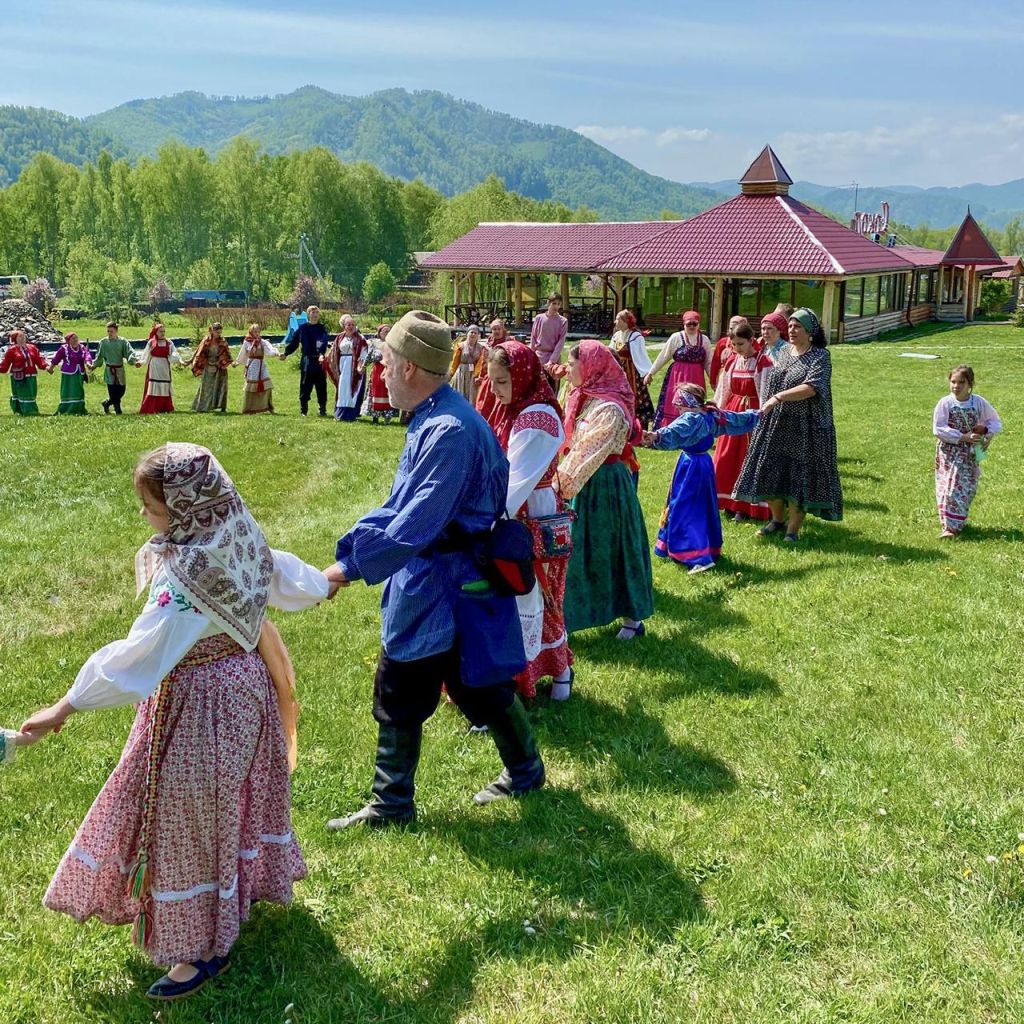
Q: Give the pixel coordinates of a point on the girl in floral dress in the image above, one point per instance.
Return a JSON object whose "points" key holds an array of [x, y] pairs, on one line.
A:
{"points": [[964, 425], [690, 353], [194, 824]]}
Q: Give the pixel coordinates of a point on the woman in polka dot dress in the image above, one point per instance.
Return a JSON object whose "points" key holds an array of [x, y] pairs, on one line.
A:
{"points": [[791, 462], [194, 824]]}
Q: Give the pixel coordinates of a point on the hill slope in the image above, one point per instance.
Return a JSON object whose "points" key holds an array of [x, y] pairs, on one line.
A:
{"points": [[25, 131], [449, 143]]}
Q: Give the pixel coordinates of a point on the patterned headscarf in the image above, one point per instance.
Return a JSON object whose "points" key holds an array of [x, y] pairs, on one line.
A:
{"points": [[602, 378], [214, 551], [779, 322], [529, 387]]}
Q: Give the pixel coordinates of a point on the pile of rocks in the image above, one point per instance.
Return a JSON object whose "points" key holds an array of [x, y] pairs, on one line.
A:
{"points": [[16, 315]]}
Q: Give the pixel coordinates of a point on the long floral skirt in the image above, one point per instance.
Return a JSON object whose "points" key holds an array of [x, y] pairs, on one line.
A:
{"points": [[72, 395], [465, 383], [956, 482], [220, 836], [610, 567], [23, 396]]}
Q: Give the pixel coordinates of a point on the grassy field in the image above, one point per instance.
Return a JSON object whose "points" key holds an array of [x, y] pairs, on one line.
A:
{"points": [[775, 807]]}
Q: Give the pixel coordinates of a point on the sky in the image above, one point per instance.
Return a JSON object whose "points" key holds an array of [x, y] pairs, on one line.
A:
{"points": [[909, 92]]}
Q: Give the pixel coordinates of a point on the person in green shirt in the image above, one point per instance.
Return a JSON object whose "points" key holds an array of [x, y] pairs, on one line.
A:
{"points": [[112, 353]]}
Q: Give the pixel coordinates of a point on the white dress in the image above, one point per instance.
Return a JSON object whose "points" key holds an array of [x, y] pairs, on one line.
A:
{"points": [[536, 436], [256, 369], [348, 377], [159, 369]]}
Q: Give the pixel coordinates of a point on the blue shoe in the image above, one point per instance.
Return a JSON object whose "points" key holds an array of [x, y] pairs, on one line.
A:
{"points": [[166, 990]]}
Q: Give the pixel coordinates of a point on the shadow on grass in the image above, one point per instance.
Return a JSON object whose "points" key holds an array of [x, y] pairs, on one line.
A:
{"points": [[981, 533], [641, 752], [597, 881], [865, 506], [836, 538]]}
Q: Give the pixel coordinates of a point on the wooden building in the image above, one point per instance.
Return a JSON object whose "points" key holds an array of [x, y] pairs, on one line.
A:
{"points": [[743, 256]]}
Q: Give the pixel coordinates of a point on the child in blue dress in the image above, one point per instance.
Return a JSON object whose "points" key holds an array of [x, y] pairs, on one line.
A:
{"points": [[690, 531]]}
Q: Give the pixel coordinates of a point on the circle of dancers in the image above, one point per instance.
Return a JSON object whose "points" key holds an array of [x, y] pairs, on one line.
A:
{"points": [[513, 521]]}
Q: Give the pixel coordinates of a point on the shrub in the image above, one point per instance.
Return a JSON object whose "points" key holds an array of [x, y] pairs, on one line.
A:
{"points": [[1018, 315], [40, 293], [160, 294], [304, 293], [379, 283]]}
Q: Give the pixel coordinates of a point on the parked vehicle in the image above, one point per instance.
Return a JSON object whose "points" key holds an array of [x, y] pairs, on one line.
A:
{"points": [[9, 282], [213, 297]]}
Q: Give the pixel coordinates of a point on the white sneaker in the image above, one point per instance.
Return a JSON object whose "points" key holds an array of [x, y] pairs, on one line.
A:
{"points": [[694, 569]]}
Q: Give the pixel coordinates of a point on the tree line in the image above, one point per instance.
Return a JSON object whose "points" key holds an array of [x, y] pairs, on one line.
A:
{"points": [[110, 230]]}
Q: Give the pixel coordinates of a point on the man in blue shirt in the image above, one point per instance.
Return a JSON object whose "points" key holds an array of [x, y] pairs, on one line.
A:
{"points": [[451, 481]]}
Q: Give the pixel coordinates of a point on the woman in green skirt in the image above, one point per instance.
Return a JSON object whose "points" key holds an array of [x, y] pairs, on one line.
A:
{"points": [[22, 361], [74, 361], [609, 574]]}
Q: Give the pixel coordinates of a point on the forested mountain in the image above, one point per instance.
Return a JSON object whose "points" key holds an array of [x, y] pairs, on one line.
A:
{"points": [[450, 144], [25, 131]]}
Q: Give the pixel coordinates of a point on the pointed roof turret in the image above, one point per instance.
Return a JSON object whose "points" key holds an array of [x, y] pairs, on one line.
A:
{"points": [[970, 247], [766, 176]]}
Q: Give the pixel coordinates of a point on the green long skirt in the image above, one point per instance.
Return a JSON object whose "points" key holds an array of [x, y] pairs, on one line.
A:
{"points": [[23, 396], [72, 395], [609, 574]]}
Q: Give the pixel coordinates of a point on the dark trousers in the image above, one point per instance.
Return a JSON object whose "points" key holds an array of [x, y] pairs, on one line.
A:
{"points": [[313, 378], [115, 392], [405, 693]]}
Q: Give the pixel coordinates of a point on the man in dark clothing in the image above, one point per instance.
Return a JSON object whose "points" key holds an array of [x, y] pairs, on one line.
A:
{"points": [[312, 337]]}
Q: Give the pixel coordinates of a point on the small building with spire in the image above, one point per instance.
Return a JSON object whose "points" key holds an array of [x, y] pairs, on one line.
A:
{"points": [[745, 256]]}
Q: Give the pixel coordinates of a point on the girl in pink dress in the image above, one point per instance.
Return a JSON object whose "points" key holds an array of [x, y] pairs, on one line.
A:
{"points": [[194, 824]]}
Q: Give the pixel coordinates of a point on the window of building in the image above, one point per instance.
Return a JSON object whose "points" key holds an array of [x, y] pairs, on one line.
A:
{"points": [[853, 306], [870, 307]]}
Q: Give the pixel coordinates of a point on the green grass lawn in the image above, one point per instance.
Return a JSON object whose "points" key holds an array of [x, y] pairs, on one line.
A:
{"points": [[775, 807]]}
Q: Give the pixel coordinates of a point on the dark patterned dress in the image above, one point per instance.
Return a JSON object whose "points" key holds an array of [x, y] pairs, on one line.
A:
{"points": [[792, 454]]}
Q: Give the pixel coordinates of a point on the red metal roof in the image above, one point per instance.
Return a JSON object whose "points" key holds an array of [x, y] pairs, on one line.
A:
{"points": [[1013, 266], [758, 234], [919, 256], [548, 248], [970, 247]]}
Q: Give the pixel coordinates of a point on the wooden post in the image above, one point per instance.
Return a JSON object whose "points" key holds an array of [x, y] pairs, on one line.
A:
{"points": [[455, 295], [938, 290], [472, 287], [664, 296], [968, 284], [620, 292], [714, 328], [826, 308], [518, 297], [563, 284]]}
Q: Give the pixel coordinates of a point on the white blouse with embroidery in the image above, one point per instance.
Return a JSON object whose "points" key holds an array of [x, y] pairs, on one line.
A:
{"points": [[537, 434], [128, 671]]}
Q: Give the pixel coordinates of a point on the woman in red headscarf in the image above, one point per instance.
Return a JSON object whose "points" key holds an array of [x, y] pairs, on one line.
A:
{"points": [[23, 362], [690, 352], [609, 573], [774, 335], [527, 421], [158, 357]]}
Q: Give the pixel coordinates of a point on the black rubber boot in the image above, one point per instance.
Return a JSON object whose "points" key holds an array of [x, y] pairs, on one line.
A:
{"points": [[398, 753], [524, 769]]}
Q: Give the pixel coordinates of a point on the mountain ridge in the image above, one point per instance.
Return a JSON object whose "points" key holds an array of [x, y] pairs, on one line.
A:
{"points": [[452, 145]]}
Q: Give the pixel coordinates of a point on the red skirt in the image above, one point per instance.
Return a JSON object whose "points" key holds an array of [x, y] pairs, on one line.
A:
{"points": [[728, 459], [379, 400]]}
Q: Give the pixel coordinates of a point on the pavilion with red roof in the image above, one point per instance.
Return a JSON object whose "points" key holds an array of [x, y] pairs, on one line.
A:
{"points": [[743, 256]]}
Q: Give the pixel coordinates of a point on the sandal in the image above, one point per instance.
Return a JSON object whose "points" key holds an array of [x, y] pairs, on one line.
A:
{"points": [[791, 538], [769, 528], [631, 632]]}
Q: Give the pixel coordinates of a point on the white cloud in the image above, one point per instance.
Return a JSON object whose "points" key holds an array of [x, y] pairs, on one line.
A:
{"points": [[611, 134], [670, 136]]}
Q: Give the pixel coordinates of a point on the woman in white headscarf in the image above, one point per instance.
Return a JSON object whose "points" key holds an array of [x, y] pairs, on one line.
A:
{"points": [[194, 824]]}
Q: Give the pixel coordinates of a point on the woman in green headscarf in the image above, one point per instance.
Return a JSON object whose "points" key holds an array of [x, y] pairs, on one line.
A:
{"points": [[792, 463]]}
